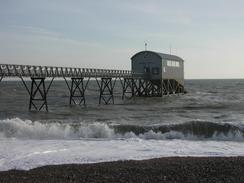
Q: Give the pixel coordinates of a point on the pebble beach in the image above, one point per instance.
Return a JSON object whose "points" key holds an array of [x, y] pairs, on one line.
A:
{"points": [[173, 169]]}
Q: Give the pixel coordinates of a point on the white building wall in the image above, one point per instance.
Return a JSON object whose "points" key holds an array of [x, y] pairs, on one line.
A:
{"points": [[173, 72], [151, 60]]}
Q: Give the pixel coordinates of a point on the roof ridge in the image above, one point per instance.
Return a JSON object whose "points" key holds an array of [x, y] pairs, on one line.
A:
{"points": [[169, 56]]}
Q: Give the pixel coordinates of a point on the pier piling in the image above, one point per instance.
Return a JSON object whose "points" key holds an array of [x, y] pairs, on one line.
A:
{"points": [[38, 94], [106, 88], [77, 91]]}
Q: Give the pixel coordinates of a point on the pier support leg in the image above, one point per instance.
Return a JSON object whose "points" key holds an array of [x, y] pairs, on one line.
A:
{"points": [[156, 88], [171, 86], [141, 87], [177, 88], [106, 90], [168, 86], [181, 89], [164, 88], [38, 94], [148, 88], [77, 91], [127, 86], [135, 87]]}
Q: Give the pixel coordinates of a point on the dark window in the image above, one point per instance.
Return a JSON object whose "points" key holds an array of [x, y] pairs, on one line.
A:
{"points": [[146, 69], [155, 70]]}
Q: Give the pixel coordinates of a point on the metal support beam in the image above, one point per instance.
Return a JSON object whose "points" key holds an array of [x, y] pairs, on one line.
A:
{"points": [[1, 78], [156, 88], [135, 87], [38, 94], [171, 86], [144, 87], [37, 88], [77, 91], [127, 86], [164, 88], [106, 90], [148, 88], [67, 83], [50, 84], [25, 85]]}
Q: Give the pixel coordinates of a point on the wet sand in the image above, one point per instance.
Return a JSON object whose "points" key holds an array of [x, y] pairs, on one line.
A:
{"points": [[173, 169]]}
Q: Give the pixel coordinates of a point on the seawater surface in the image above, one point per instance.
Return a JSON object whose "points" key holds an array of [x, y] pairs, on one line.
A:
{"points": [[207, 121]]}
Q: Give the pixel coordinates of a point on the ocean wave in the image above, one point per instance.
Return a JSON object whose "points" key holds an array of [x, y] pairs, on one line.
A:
{"points": [[193, 130]]}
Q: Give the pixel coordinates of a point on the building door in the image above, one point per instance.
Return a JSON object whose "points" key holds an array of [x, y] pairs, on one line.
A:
{"points": [[147, 68]]}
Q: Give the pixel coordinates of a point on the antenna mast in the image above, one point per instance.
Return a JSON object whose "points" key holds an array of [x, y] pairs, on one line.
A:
{"points": [[145, 46]]}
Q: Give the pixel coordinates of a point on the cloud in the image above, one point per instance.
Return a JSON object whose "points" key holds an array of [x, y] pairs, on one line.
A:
{"points": [[107, 33], [38, 46], [38, 31], [41, 33]]}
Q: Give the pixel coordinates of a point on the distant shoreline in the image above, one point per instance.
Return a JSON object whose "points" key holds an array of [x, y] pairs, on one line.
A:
{"points": [[170, 169]]}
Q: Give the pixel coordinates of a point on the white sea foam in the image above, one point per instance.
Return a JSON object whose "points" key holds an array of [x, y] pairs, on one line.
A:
{"points": [[25, 144], [26, 129], [27, 154]]}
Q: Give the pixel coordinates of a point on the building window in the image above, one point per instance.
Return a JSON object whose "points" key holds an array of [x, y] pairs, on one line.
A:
{"points": [[164, 69], [146, 70], [155, 70], [171, 63]]}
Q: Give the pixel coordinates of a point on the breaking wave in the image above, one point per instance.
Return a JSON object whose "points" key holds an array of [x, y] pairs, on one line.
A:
{"points": [[194, 130]]}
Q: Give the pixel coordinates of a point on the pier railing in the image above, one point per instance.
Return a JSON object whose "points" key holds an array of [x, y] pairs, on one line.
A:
{"points": [[9, 70]]}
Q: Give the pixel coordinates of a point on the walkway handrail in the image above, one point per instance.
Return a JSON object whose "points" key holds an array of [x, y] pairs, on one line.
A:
{"points": [[12, 70]]}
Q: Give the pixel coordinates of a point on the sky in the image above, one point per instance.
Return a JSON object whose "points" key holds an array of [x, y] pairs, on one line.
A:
{"points": [[208, 35]]}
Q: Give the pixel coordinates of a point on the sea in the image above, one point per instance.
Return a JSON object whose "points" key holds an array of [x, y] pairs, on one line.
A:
{"points": [[206, 121]]}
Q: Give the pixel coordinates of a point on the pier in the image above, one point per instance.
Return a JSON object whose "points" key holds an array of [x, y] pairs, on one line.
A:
{"points": [[134, 84]]}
